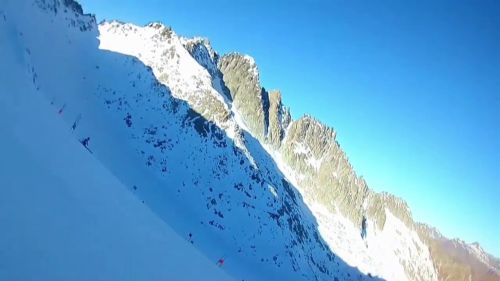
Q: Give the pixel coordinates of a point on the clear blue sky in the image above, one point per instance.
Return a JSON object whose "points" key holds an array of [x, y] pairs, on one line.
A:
{"points": [[412, 88]]}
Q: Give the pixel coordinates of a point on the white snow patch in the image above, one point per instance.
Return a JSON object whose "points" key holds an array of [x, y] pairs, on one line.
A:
{"points": [[253, 66], [273, 190], [302, 149]]}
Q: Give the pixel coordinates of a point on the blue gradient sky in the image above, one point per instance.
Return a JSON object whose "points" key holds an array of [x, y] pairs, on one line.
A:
{"points": [[412, 88]]}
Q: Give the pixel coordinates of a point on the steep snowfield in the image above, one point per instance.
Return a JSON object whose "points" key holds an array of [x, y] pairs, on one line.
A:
{"points": [[66, 217], [382, 251], [63, 215]]}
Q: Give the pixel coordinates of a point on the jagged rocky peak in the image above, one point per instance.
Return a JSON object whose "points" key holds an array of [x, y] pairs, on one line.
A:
{"points": [[71, 11], [201, 43], [241, 77], [156, 30], [311, 149], [236, 76], [322, 169], [159, 47], [312, 129], [429, 231], [309, 139], [157, 25], [118, 26], [201, 50], [55, 5], [279, 119], [74, 6], [245, 65], [378, 203], [164, 31]]}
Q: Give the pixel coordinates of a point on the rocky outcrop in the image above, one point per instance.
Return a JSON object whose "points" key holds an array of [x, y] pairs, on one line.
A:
{"points": [[72, 12], [322, 168], [279, 119], [162, 49], [201, 50], [379, 202], [74, 6], [241, 77]]}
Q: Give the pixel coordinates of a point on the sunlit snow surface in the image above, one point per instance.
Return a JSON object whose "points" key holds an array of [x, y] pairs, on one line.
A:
{"points": [[155, 174], [63, 215]]}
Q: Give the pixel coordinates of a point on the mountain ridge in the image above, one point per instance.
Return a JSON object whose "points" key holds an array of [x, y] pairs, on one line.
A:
{"points": [[239, 73], [394, 203], [176, 104]]}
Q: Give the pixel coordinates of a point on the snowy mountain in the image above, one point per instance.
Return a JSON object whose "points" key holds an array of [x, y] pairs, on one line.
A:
{"points": [[136, 154]]}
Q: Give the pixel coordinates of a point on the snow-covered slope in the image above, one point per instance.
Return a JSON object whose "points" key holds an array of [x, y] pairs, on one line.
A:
{"points": [[189, 160], [66, 217], [63, 215]]}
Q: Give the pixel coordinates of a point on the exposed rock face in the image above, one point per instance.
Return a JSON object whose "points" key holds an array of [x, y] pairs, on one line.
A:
{"points": [[279, 119], [379, 202], [73, 5], [164, 51], [322, 168], [201, 50], [72, 12], [241, 77]]}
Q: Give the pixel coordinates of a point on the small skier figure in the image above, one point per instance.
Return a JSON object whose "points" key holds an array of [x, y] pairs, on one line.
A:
{"points": [[85, 142], [220, 262], [190, 237]]}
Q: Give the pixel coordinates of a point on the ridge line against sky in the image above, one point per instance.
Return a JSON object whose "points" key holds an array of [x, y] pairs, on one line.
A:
{"points": [[411, 88]]}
